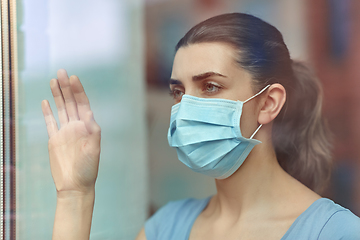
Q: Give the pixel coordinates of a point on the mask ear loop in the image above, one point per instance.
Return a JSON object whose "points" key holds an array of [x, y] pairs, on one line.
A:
{"points": [[256, 131], [257, 93], [252, 98]]}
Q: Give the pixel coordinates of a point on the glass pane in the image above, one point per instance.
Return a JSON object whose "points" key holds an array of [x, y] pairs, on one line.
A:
{"points": [[101, 42]]}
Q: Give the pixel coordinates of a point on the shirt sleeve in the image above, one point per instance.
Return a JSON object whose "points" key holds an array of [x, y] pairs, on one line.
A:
{"points": [[153, 223], [343, 225], [159, 223]]}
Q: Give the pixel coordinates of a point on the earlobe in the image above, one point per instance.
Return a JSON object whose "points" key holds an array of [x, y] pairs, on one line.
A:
{"points": [[272, 103]]}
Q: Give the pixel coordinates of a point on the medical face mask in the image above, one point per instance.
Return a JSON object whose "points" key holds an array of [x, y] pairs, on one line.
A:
{"points": [[207, 137]]}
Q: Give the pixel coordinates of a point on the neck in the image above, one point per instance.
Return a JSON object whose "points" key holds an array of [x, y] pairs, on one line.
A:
{"points": [[259, 184]]}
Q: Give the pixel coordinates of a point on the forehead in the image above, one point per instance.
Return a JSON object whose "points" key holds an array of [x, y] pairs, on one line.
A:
{"points": [[204, 57]]}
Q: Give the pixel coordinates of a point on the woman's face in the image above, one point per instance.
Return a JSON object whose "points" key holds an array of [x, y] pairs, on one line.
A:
{"points": [[209, 70]]}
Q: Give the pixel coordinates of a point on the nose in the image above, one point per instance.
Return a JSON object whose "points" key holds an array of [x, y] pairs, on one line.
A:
{"points": [[192, 91]]}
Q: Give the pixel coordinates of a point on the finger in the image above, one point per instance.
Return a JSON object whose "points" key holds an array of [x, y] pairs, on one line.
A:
{"points": [[92, 127], [59, 101], [81, 99], [68, 95], [50, 121]]}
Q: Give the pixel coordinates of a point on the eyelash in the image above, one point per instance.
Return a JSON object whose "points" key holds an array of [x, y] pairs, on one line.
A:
{"points": [[209, 84], [174, 92], [205, 89]]}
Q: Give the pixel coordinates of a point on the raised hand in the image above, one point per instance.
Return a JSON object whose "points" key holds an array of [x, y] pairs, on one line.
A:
{"points": [[74, 148]]}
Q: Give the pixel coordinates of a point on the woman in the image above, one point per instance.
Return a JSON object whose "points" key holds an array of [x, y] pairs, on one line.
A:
{"points": [[245, 114]]}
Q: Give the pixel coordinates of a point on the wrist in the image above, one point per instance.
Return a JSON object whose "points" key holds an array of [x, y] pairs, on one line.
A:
{"points": [[76, 202], [73, 215], [76, 194]]}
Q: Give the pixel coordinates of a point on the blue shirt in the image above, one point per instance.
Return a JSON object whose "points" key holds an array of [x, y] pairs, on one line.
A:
{"points": [[323, 220]]}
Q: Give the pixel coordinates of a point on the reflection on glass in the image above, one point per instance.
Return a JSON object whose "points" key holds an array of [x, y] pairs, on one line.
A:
{"points": [[101, 42], [8, 118]]}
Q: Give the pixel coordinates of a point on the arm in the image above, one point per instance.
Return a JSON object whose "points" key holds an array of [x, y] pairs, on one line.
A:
{"points": [[74, 151], [141, 235], [73, 217]]}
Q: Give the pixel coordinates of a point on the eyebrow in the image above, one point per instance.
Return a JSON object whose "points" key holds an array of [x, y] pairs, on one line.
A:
{"points": [[203, 76], [198, 77]]}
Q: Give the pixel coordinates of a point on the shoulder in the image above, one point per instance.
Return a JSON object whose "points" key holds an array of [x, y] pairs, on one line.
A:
{"points": [[325, 220], [174, 208], [341, 224], [174, 216], [180, 205]]}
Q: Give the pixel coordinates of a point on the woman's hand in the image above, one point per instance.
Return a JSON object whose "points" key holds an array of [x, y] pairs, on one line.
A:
{"points": [[74, 149]]}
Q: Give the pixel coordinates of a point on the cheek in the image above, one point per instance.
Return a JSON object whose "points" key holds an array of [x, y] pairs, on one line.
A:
{"points": [[248, 120]]}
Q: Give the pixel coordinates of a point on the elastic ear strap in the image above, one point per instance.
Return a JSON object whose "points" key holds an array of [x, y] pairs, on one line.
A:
{"points": [[257, 93], [256, 131]]}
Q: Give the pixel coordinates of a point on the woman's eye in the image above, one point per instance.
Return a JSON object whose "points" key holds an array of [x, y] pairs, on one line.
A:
{"points": [[211, 88], [176, 94]]}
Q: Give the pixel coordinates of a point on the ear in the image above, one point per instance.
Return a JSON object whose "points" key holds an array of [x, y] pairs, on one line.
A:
{"points": [[272, 103]]}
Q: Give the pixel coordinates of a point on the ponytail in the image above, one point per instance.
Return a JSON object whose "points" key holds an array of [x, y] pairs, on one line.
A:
{"points": [[300, 135]]}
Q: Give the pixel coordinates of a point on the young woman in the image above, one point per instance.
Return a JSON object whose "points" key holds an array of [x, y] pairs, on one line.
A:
{"points": [[245, 114]]}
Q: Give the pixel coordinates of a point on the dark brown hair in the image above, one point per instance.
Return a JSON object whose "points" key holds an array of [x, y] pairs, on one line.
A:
{"points": [[300, 137]]}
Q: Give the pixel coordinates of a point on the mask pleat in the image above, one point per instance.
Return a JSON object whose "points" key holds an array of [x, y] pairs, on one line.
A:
{"points": [[211, 114], [207, 157], [185, 134]]}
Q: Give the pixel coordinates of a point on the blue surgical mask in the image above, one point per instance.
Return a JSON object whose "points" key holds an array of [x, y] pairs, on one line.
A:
{"points": [[207, 137]]}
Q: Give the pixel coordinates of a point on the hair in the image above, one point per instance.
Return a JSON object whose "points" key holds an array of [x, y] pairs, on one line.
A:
{"points": [[300, 136]]}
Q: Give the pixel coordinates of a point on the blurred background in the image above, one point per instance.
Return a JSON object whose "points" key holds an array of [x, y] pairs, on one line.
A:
{"points": [[122, 50]]}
